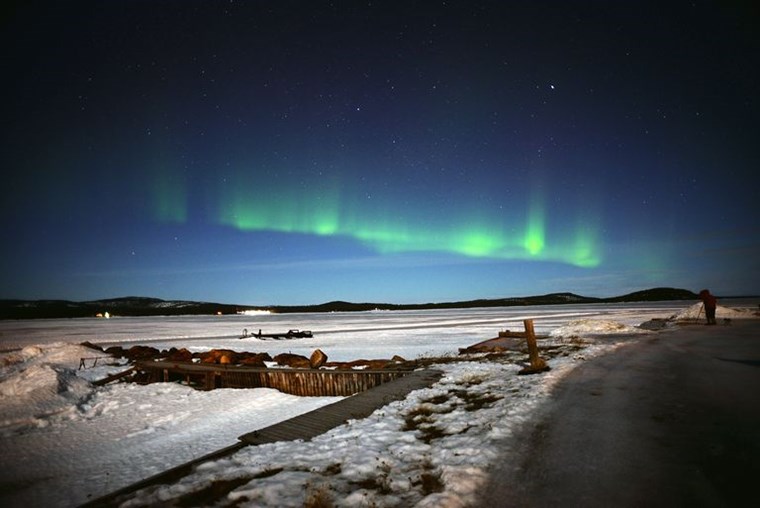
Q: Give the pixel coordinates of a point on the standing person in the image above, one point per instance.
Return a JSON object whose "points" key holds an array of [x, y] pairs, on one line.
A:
{"points": [[710, 303]]}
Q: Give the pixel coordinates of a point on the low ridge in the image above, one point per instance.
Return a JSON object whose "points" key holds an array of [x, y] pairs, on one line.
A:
{"points": [[145, 306]]}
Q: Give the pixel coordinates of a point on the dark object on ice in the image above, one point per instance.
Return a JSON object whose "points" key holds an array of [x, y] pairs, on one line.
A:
{"points": [[290, 334], [654, 324], [507, 340], [298, 334], [710, 304]]}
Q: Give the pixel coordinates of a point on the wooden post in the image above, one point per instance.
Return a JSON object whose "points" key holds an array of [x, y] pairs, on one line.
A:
{"points": [[537, 364]]}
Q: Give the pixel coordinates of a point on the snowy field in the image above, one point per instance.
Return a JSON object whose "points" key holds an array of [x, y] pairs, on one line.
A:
{"points": [[66, 441]]}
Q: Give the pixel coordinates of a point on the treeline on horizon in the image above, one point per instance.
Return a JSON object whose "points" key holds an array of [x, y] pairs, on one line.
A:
{"points": [[142, 306]]}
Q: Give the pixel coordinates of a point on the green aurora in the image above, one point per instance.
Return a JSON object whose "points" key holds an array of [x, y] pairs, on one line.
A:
{"points": [[323, 211], [169, 196]]}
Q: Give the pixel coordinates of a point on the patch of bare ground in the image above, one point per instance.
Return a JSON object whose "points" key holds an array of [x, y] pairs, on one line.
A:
{"points": [[420, 420], [429, 481], [475, 401], [318, 497]]}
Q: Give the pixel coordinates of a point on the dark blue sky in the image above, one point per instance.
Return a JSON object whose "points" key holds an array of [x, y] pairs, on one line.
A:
{"points": [[300, 152]]}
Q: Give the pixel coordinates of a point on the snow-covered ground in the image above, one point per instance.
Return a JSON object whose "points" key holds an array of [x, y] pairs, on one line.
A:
{"points": [[66, 441]]}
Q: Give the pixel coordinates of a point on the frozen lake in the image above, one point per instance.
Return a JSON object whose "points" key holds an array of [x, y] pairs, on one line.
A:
{"points": [[342, 335]]}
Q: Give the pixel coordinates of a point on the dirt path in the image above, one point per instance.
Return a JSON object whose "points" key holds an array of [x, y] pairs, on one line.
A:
{"points": [[671, 420]]}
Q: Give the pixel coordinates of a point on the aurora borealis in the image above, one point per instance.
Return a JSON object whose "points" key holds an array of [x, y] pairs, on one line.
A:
{"points": [[301, 152], [325, 212]]}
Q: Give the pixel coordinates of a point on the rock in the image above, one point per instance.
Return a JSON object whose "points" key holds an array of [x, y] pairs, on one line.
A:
{"points": [[90, 345], [255, 360], [318, 358], [291, 360], [179, 355], [226, 356], [142, 353], [115, 351]]}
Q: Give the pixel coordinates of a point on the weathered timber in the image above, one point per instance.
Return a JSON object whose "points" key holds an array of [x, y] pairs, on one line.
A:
{"points": [[510, 333], [114, 377], [302, 382], [537, 364], [507, 340]]}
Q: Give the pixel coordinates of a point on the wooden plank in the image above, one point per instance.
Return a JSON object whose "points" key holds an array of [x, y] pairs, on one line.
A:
{"points": [[113, 377], [361, 405]]}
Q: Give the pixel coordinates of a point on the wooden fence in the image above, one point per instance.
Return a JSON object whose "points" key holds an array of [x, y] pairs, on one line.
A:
{"points": [[302, 382]]}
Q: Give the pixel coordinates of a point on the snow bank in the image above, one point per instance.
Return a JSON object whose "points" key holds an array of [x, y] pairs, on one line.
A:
{"points": [[66, 441], [587, 327], [39, 384], [696, 311]]}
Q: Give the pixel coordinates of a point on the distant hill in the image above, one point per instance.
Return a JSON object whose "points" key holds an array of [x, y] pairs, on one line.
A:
{"points": [[142, 306], [126, 306], [656, 294], [649, 295], [339, 306]]}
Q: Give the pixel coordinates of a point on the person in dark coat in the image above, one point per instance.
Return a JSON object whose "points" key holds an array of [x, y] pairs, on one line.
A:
{"points": [[710, 303]]}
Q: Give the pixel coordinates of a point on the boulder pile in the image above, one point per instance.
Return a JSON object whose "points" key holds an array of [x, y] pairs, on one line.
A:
{"points": [[317, 360]]}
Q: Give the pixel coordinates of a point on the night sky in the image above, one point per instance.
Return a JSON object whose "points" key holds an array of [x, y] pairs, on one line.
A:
{"points": [[301, 152]]}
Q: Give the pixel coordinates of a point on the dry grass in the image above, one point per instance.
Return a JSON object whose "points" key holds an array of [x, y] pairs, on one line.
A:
{"points": [[420, 419], [318, 497], [475, 401], [429, 480]]}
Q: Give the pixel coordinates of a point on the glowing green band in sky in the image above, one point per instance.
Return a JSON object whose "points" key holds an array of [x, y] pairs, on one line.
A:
{"points": [[319, 211], [169, 196], [535, 232]]}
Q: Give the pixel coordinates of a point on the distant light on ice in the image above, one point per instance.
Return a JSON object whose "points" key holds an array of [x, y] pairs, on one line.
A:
{"points": [[253, 312]]}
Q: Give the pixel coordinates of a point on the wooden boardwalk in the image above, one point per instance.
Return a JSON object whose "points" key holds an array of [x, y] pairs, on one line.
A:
{"points": [[301, 382], [361, 405], [305, 426]]}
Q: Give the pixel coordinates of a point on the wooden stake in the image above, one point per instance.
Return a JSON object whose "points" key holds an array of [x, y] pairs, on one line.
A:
{"points": [[537, 364]]}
